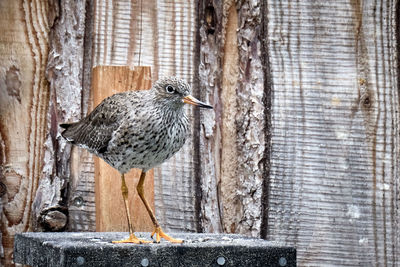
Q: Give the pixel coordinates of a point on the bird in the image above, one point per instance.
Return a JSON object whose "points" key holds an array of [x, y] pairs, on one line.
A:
{"points": [[137, 129]]}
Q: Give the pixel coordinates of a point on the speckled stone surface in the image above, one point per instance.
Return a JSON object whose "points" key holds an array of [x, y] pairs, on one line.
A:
{"points": [[96, 249]]}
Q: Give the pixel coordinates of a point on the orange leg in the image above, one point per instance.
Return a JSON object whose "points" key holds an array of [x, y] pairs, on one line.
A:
{"points": [[157, 228], [132, 238]]}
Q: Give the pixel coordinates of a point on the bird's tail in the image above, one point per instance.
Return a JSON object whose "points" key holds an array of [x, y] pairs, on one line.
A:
{"points": [[69, 131]]}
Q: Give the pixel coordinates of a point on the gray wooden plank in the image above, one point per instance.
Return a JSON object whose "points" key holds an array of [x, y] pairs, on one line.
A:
{"points": [[334, 182]]}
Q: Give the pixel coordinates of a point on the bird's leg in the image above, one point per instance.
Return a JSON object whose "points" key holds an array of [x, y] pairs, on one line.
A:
{"points": [[157, 228], [132, 238]]}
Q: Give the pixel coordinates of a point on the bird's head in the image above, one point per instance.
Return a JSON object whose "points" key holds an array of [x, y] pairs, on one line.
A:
{"points": [[176, 92]]}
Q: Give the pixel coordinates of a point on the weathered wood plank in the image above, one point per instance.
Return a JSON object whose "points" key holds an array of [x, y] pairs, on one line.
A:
{"points": [[232, 138], [59, 189], [334, 180], [231, 208], [23, 105], [39, 75], [81, 198], [249, 120], [168, 46], [110, 212], [211, 18]]}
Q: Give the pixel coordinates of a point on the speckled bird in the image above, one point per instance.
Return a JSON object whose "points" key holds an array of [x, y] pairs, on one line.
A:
{"points": [[137, 129]]}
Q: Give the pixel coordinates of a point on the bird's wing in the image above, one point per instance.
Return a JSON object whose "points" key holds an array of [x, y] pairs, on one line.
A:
{"points": [[96, 130]]}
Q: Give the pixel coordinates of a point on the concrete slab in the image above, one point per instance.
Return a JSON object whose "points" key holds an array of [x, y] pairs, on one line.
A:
{"points": [[96, 249]]}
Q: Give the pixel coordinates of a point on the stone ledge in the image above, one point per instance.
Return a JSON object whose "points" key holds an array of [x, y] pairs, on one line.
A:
{"points": [[96, 249]]}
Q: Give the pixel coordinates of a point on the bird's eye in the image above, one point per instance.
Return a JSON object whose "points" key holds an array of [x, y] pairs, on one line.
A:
{"points": [[169, 89]]}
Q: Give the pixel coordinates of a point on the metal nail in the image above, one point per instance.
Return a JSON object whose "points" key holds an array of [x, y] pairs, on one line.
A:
{"points": [[78, 201]]}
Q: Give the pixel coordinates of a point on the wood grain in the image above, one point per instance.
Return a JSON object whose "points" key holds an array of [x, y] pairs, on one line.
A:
{"points": [[81, 198], [301, 147], [167, 45], [110, 212], [40, 76], [232, 211], [334, 182], [23, 106]]}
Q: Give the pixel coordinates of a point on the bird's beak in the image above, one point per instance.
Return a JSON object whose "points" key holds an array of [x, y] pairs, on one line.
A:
{"points": [[193, 101]]}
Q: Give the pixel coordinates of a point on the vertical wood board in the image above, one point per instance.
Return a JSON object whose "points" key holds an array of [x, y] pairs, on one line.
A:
{"points": [[40, 86], [23, 105], [334, 179], [81, 196]]}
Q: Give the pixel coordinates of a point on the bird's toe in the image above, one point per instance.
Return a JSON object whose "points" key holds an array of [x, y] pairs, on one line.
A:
{"points": [[159, 233], [132, 239]]}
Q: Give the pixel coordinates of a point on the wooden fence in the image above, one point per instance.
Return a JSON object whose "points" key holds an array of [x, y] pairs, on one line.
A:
{"points": [[302, 146]]}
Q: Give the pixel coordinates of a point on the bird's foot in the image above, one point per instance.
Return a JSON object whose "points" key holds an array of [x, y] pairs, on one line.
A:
{"points": [[132, 239], [160, 234]]}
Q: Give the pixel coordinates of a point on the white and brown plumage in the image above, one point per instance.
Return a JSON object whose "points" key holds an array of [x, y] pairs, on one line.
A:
{"points": [[137, 129]]}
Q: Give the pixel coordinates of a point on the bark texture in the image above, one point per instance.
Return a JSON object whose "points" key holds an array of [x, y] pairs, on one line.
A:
{"points": [[64, 73], [232, 138]]}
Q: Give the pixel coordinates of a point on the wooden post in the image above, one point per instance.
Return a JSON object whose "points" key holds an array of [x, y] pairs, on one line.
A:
{"points": [[110, 213]]}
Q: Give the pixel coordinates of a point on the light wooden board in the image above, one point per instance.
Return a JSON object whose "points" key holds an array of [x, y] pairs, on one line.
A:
{"points": [[23, 105], [334, 180], [110, 211], [168, 46]]}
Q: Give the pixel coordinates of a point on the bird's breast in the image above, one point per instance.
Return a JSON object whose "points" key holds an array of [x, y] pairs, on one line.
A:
{"points": [[157, 140]]}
